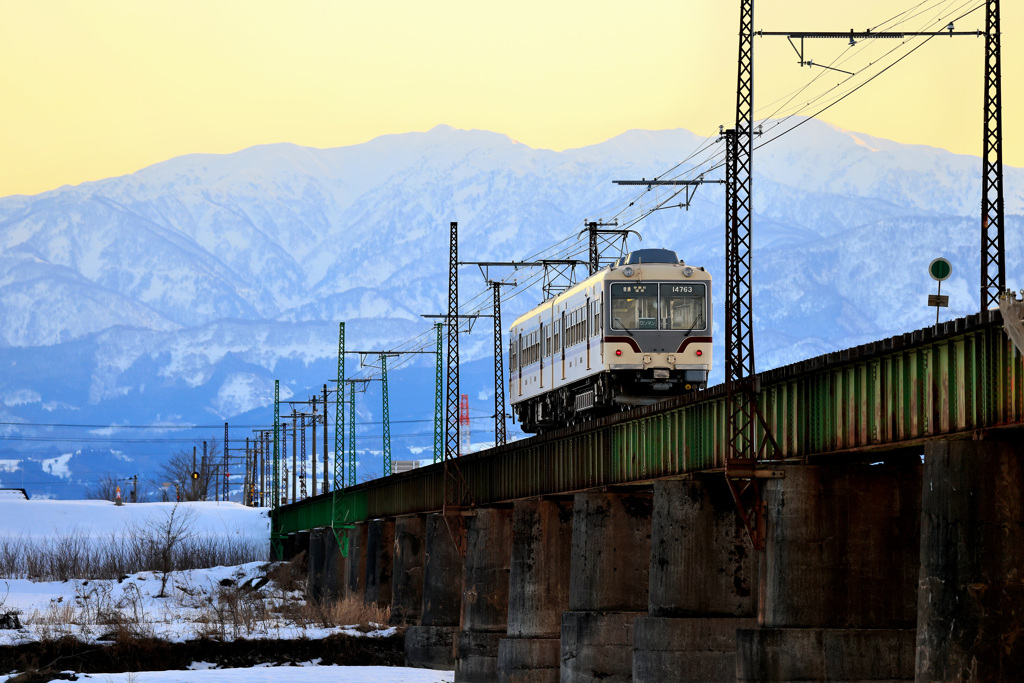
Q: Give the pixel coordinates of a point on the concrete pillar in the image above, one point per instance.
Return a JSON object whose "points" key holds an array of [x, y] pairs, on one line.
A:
{"points": [[407, 568], [608, 585], [484, 594], [325, 578], [538, 592], [355, 567], [380, 548], [971, 595], [703, 585], [315, 564], [431, 644], [839, 576]]}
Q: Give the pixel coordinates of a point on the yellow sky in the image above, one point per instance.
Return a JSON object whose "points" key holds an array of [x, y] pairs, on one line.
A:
{"points": [[98, 88]]}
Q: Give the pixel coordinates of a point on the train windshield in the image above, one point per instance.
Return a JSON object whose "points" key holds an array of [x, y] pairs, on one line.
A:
{"points": [[682, 306], [654, 306], [634, 306]]}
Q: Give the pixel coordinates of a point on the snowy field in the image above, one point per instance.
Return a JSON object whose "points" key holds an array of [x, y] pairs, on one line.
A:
{"points": [[97, 519], [252, 601]]}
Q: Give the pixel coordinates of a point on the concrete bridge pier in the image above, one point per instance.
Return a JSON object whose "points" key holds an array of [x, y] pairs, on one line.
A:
{"points": [[838, 596], [611, 544], [407, 570], [355, 563], [971, 597], [538, 591], [430, 645], [321, 583], [484, 594], [703, 585], [380, 549]]}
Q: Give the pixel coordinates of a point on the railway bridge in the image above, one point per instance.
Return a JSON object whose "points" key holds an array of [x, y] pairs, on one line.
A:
{"points": [[884, 537]]}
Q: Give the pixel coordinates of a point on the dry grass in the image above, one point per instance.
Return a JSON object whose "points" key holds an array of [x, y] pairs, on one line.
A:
{"points": [[350, 611]]}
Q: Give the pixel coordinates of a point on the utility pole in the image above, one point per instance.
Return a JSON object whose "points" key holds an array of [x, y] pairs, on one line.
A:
{"points": [[312, 457], [326, 487], [227, 473], [246, 481], [204, 482]]}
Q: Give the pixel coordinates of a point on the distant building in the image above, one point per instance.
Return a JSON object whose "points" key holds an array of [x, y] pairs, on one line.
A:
{"points": [[399, 466]]}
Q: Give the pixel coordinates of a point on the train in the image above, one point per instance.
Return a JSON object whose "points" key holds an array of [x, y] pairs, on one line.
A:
{"points": [[632, 334]]}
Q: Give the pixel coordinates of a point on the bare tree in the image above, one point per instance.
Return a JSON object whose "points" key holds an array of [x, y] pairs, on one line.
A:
{"points": [[177, 471], [105, 488], [164, 536]]}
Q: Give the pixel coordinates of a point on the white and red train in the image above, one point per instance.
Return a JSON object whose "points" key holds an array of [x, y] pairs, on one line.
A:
{"points": [[631, 334]]}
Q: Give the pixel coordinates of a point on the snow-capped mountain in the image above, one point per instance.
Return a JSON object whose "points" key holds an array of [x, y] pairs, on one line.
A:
{"points": [[178, 293]]}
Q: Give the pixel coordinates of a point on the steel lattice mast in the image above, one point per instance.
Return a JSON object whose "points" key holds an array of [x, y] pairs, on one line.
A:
{"points": [[352, 435], [499, 369], [739, 331], [386, 435], [439, 397], [327, 487], [227, 474], [993, 259], [455, 490], [743, 415], [276, 547], [339, 420]]}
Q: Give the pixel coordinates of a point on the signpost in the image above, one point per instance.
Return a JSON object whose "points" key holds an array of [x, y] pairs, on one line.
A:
{"points": [[940, 269]]}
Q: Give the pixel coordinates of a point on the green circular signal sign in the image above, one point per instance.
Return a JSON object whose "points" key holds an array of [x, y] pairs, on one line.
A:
{"points": [[940, 269]]}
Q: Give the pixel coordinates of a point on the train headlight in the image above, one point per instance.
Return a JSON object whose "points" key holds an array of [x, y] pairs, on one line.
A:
{"points": [[618, 352], [687, 271], [627, 271], [699, 352]]}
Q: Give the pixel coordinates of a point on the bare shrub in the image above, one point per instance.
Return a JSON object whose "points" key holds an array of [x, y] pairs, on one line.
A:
{"points": [[73, 555]]}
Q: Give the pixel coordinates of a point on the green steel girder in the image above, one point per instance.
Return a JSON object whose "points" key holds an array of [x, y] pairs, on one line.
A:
{"points": [[957, 379]]}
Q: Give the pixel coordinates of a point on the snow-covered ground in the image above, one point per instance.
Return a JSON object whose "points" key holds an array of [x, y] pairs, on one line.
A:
{"points": [[255, 600], [221, 602], [98, 518]]}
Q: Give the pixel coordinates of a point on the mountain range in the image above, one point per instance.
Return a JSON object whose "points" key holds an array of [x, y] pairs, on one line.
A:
{"points": [[177, 294]]}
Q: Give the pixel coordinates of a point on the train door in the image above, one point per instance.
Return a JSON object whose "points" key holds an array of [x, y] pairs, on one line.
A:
{"points": [[586, 329], [563, 344], [520, 364], [540, 348]]}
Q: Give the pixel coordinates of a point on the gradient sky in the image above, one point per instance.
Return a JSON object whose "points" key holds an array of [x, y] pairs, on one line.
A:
{"points": [[99, 88]]}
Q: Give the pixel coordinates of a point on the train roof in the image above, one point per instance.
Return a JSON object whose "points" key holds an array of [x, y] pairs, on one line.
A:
{"points": [[641, 256]]}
